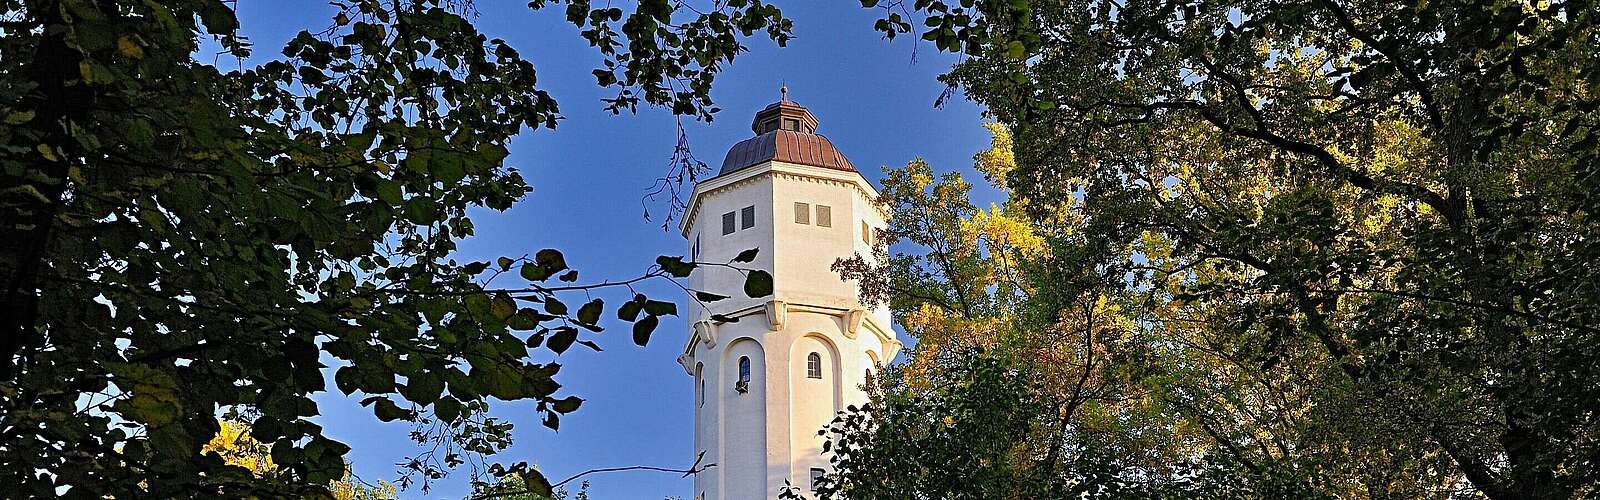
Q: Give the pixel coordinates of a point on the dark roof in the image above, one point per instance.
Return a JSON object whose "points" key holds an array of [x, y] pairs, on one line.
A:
{"points": [[786, 132]]}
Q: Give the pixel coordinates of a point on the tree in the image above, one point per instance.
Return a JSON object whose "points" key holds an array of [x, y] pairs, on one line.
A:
{"points": [[183, 239], [1355, 239], [964, 434], [235, 447]]}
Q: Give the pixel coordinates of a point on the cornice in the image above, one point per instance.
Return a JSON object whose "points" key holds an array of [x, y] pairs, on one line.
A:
{"points": [[774, 169], [777, 311]]}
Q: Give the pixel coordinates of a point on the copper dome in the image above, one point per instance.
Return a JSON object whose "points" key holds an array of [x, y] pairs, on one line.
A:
{"points": [[786, 132]]}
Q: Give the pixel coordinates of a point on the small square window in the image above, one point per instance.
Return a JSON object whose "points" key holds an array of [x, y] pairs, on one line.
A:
{"points": [[824, 216], [791, 124], [802, 213], [747, 217], [727, 223], [816, 477]]}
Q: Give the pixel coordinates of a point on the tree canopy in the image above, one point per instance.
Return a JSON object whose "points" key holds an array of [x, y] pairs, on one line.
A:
{"points": [[185, 236], [1336, 248]]}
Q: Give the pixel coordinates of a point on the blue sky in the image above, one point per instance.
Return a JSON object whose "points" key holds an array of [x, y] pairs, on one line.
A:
{"points": [[874, 99]]}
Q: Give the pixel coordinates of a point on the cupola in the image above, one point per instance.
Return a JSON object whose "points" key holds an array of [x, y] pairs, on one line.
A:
{"points": [[786, 132]]}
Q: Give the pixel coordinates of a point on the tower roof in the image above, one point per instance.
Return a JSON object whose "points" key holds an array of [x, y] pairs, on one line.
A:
{"points": [[786, 132]]}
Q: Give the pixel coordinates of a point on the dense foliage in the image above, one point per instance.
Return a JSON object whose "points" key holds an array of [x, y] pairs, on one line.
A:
{"points": [[1335, 247], [185, 234]]}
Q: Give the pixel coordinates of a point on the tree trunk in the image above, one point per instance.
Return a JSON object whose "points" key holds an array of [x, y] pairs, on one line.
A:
{"points": [[31, 201]]}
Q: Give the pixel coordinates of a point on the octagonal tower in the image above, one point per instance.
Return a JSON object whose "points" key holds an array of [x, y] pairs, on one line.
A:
{"points": [[767, 381]]}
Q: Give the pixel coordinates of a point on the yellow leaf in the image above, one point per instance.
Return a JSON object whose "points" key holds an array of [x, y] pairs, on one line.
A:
{"points": [[49, 154], [128, 49]]}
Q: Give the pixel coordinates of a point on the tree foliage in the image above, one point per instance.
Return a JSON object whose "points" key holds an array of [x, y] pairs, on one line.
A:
{"points": [[187, 235], [1351, 242], [235, 447]]}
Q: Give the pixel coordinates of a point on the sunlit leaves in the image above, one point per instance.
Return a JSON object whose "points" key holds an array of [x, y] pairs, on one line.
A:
{"points": [[1306, 216]]}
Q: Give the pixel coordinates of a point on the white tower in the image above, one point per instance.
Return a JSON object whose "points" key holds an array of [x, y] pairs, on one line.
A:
{"points": [[766, 382]]}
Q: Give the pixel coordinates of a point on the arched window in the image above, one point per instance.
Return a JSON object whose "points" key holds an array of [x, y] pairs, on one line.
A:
{"points": [[743, 385], [700, 384], [813, 365]]}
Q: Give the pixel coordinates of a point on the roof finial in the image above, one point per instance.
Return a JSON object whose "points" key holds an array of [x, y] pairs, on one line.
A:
{"points": [[783, 92]]}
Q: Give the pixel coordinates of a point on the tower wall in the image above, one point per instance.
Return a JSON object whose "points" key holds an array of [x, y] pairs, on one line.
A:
{"points": [[764, 434]]}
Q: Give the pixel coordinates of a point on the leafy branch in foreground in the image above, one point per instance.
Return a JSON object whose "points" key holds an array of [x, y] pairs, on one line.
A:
{"points": [[522, 480], [179, 239]]}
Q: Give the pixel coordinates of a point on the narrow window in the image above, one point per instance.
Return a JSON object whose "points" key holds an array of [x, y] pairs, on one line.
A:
{"points": [[802, 213], [816, 477], [743, 385], [814, 365], [748, 217], [824, 216], [700, 384], [866, 234], [694, 252], [727, 223]]}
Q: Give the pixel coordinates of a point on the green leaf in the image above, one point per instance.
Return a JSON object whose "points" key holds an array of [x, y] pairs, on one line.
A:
{"points": [[545, 264], [1016, 50], [423, 389], [758, 283], [562, 339], [551, 259], [524, 319], [502, 307], [660, 308], [447, 409], [535, 482], [19, 117], [478, 305], [554, 307], [346, 380], [630, 309], [675, 266], [218, 18], [569, 276], [387, 411], [643, 328], [747, 255], [590, 312], [568, 405], [505, 263], [708, 296]]}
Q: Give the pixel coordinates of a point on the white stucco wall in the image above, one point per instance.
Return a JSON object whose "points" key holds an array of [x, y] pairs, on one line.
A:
{"points": [[767, 436]]}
